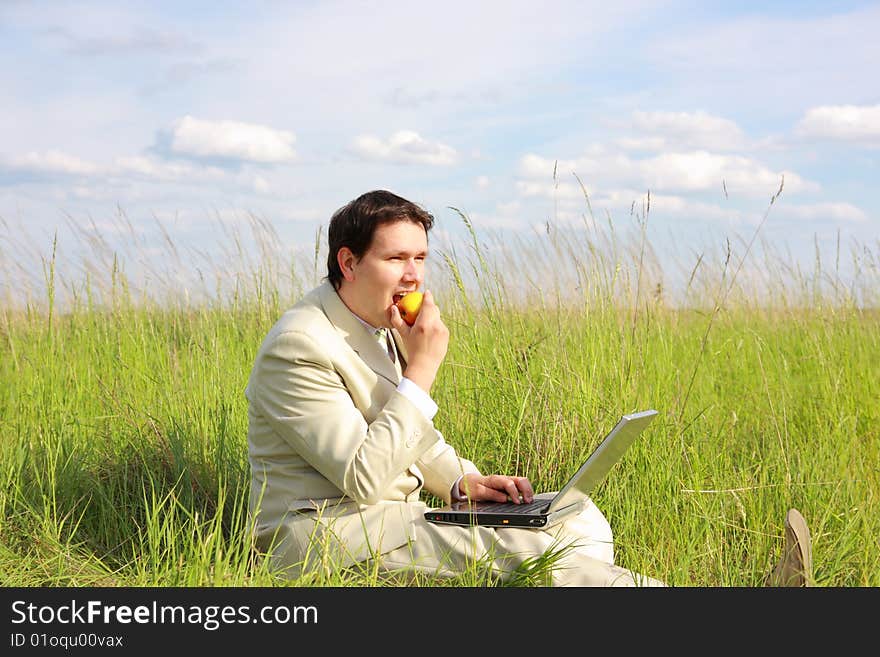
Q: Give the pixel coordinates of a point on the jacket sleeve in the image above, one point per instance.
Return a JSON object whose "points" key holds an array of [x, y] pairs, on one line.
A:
{"points": [[441, 467], [306, 402]]}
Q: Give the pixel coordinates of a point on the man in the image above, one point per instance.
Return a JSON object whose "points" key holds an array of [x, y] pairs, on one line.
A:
{"points": [[341, 436]]}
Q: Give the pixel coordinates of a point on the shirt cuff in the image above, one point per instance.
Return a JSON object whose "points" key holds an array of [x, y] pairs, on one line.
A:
{"points": [[455, 492], [418, 397]]}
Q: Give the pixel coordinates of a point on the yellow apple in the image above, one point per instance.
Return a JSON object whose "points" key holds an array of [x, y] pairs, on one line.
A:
{"points": [[409, 306]]}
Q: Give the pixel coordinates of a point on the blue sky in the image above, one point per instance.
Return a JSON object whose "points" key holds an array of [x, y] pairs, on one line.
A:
{"points": [[198, 113]]}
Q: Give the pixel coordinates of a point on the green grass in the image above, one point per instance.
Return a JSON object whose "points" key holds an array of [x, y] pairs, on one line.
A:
{"points": [[123, 422]]}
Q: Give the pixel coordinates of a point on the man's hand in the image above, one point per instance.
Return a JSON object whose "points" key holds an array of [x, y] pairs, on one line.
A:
{"points": [[496, 488], [426, 342]]}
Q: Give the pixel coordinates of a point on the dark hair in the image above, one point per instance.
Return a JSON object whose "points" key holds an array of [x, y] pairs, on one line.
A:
{"points": [[354, 224]]}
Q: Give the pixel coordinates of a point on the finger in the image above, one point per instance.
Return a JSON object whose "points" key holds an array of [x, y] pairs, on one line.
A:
{"points": [[430, 302], [512, 490], [493, 494], [495, 487], [430, 297], [396, 320], [525, 488]]}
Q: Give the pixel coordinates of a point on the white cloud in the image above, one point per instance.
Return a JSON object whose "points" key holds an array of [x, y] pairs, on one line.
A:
{"points": [[530, 188], [685, 130], [405, 147], [704, 171], [572, 205], [692, 171], [642, 143], [678, 207], [826, 211], [231, 140], [187, 173], [165, 171], [114, 42], [510, 217], [482, 182], [597, 162], [847, 122], [52, 162], [90, 193]]}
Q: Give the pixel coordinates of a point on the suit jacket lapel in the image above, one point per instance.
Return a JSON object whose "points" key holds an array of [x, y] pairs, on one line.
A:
{"points": [[354, 333]]}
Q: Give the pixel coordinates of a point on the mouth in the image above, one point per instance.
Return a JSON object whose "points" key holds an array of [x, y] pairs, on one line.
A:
{"points": [[398, 296]]}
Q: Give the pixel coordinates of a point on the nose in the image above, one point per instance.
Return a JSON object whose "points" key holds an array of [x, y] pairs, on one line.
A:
{"points": [[413, 271]]}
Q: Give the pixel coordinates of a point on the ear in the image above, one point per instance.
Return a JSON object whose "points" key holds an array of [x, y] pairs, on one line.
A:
{"points": [[346, 261]]}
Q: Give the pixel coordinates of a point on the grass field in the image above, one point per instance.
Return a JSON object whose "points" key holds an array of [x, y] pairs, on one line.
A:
{"points": [[123, 421]]}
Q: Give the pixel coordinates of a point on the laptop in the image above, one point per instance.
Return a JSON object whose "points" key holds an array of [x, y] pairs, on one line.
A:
{"points": [[548, 509]]}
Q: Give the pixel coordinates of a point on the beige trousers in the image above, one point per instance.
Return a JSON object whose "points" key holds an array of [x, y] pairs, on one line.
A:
{"points": [[586, 560]]}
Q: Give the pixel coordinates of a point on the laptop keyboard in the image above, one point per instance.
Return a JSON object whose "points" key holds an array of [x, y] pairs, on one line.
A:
{"points": [[509, 507]]}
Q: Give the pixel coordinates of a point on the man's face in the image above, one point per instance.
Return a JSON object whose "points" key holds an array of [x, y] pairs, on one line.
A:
{"points": [[393, 265]]}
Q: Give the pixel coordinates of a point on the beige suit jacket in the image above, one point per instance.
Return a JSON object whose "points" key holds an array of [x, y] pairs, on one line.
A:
{"points": [[338, 456]]}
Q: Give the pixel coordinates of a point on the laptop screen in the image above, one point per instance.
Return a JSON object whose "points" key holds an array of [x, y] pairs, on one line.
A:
{"points": [[603, 457]]}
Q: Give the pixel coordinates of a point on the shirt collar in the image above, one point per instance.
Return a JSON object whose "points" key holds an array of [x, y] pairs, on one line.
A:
{"points": [[369, 327]]}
